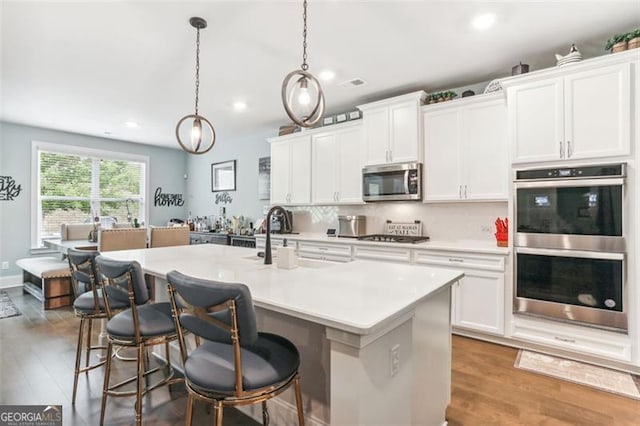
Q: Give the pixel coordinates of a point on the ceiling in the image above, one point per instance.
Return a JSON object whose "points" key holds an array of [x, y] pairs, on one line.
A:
{"points": [[90, 66]]}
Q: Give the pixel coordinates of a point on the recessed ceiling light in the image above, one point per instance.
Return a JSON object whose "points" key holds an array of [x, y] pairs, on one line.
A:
{"points": [[327, 75], [483, 21], [131, 124], [239, 106]]}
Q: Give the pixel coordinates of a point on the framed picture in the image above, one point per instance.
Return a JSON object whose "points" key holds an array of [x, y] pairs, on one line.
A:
{"points": [[264, 178], [354, 115], [341, 117], [223, 176], [327, 120]]}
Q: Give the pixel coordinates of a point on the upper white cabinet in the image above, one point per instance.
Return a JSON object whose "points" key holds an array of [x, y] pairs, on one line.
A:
{"points": [[575, 114], [291, 170], [392, 129], [466, 149], [337, 166]]}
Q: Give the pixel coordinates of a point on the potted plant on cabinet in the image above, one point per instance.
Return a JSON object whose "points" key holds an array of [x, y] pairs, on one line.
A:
{"points": [[633, 39], [617, 43]]}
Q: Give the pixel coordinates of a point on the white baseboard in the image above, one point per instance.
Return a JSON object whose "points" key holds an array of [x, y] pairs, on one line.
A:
{"points": [[11, 281]]}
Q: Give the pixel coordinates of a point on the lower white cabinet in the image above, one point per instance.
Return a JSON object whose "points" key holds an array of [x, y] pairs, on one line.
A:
{"points": [[478, 302], [478, 298], [382, 253], [325, 251]]}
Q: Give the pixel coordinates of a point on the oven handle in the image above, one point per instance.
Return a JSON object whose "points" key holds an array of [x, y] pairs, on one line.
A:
{"points": [[571, 253], [569, 182]]}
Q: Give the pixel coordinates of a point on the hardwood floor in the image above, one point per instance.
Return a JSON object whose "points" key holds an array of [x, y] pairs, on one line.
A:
{"points": [[37, 351], [488, 390]]}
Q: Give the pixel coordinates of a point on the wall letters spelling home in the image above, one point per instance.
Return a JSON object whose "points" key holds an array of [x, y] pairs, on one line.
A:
{"points": [[167, 200], [8, 188]]}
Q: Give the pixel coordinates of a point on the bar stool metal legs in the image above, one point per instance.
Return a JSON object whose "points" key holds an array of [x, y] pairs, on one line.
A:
{"points": [[87, 349]]}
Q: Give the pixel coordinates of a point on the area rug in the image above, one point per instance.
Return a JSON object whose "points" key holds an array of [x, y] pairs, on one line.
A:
{"points": [[7, 308], [578, 372]]}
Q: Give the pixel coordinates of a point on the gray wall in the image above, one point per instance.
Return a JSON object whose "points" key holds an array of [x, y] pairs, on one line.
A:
{"points": [[167, 168], [245, 202]]}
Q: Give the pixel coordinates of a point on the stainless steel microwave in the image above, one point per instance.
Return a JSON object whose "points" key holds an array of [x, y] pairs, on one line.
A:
{"points": [[392, 182]]}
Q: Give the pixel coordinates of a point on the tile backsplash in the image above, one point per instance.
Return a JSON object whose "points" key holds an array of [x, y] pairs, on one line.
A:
{"points": [[447, 221]]}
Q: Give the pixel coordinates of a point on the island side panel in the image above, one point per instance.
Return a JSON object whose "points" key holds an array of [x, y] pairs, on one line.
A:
{"points": [[365, 390], [432, 359]]}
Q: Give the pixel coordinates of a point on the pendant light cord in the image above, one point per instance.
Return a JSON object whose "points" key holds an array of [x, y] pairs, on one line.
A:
{"points": [[197, 67], [304, 37]]}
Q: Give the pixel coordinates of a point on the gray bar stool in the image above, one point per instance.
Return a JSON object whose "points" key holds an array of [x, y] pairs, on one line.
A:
{"points": [[88, 305], [141, 326], [236, 364]]}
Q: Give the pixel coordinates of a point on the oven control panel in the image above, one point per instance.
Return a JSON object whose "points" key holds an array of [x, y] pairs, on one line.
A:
{"points": [[606, 170]]}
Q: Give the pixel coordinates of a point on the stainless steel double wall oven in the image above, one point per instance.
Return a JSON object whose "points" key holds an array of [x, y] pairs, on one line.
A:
{"points": [[570, 246]]}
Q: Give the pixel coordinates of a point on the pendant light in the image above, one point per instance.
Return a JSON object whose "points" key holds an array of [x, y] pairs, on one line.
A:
{"points": [[302, 95], [202, 137]]}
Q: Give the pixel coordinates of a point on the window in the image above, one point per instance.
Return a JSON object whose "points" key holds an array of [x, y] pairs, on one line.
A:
{"points": [[74, 185]]}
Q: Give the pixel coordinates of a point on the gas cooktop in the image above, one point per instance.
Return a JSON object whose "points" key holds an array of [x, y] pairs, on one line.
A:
{"points": [[390, 238]]}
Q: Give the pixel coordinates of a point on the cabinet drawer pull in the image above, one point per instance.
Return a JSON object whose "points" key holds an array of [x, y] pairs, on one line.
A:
{"points": [[452, 259], [564, 340]]}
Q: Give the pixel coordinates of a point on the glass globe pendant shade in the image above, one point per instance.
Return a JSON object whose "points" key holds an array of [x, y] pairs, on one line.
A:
{"points": [[200, 134], [303, 98]]}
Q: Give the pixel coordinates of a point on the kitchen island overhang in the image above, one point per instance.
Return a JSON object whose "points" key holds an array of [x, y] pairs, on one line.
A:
{"points": [[387, 326]]}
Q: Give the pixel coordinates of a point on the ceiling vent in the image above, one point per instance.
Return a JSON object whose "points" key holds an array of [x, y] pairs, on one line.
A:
{"points": [[354, 82]]}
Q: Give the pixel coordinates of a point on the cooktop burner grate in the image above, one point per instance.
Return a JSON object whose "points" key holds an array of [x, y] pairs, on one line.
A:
{"points": [[390, 238]]}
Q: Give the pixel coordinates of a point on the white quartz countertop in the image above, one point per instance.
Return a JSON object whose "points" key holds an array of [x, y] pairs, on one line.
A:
{"points": [[475, 246], [359, 297]]}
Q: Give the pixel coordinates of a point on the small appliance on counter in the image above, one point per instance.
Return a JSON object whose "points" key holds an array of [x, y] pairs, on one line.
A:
{"points": [[352, 226], [279, 224]]}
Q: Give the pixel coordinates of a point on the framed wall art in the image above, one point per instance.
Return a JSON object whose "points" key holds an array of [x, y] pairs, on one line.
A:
{"points": [[223, 176]]}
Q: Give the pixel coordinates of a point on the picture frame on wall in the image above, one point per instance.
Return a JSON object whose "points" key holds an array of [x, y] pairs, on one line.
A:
{"points": [[264, 178], [223, 176]]}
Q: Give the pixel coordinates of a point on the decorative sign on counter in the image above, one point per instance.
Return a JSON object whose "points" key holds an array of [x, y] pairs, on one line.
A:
{"points": [[8, 188], [223, 198], [161, 199], [411, 229]]}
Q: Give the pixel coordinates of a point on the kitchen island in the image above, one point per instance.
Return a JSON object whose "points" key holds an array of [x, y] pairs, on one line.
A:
{"points": [[374, 337]]}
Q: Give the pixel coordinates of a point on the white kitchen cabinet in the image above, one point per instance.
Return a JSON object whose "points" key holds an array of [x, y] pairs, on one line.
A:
{"points": [[324, 251], [580, 114], [291, 170], [478, 302], [466, 150], [392, 129], [337, 166], [385, 253], [478, 298]]}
